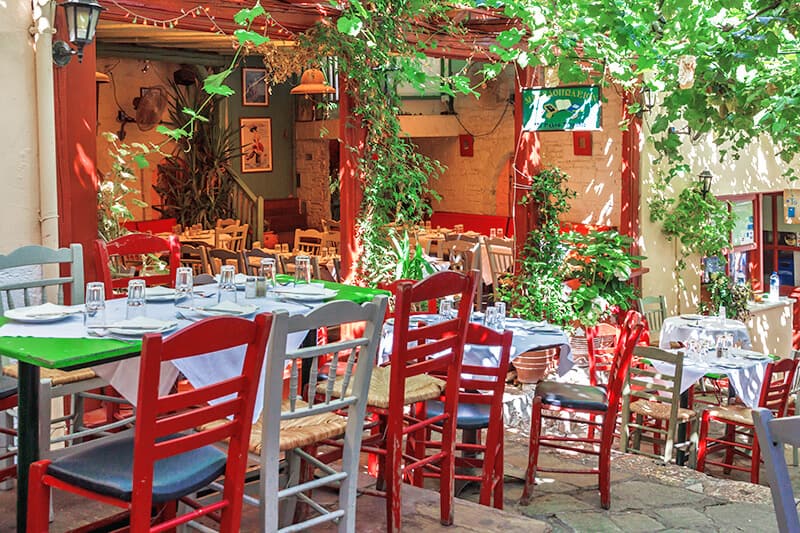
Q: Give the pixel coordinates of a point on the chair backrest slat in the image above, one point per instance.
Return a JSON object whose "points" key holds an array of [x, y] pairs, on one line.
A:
{"points": [[136, 245], [778, 379]]}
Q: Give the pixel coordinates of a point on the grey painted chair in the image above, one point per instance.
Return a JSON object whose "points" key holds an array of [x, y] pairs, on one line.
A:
{"points": [[773, 434], [29, 283], [654, 310], [793, 404], [651, 400], [500, 253], [298, 424]]}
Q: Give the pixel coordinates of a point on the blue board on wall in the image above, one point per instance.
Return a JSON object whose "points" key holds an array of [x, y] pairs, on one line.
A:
{"points": [[561, 108]]}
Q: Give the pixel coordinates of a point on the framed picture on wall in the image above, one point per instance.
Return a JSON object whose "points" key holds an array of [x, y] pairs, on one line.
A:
{"points": [[254, 87], [256, 142]]}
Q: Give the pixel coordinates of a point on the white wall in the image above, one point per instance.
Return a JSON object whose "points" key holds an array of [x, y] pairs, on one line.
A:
{"points": [[19, 205]]}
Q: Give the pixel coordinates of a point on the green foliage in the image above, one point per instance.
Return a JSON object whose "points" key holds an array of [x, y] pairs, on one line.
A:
{"points": [[601, 262], [118, 187], [195, 182], [701, 223], [402, 262], [723, 291]]}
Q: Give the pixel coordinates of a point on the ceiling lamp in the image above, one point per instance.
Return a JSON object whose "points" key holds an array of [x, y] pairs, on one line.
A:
{"points": [[313, 82], [82, 16]]}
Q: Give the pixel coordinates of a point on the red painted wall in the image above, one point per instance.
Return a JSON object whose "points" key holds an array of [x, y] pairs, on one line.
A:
{"points": [[76, 122]]}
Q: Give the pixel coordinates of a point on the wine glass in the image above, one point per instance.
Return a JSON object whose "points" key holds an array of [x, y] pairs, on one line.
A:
{"points": [[184, 283], [136, 299], [95, 304], [302, 269]]}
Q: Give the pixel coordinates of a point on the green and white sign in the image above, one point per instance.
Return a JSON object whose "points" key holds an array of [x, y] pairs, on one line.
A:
{"points": [[561, 109]]}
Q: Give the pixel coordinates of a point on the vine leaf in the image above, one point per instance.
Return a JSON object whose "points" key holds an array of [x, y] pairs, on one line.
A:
{"points": [[247, 16], [245, 36], [214, 84], [193, 114], [175, 134]]}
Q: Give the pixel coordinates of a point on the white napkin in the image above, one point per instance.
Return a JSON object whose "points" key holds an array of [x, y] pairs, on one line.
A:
{"points": [[159, 291], [306, 290], [226, 307], [143, 322], [48, 309]]}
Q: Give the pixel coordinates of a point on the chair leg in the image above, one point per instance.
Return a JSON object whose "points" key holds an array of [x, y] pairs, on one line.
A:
{"points": [[38, 499], [795, 458], [533, 451], [703, 442], [691, 428], [730, 436], [755, 460], [499, 475], [288, 506], [6, 421], [447, 489]]}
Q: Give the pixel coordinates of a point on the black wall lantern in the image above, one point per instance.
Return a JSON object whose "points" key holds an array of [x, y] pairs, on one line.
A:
{"points": [[648, 99], [705, 178], [82, 16]]}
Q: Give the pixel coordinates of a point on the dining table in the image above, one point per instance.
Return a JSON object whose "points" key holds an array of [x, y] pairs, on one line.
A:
{"points": [[66, 344], [677, 331], [528, 335]]}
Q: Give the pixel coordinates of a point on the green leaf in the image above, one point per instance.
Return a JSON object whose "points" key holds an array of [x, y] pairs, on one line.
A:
{"points": [[176, 133], [141, 161], [245, 36], [349, 25], [247, 16], [192, 113], [213, 84]]}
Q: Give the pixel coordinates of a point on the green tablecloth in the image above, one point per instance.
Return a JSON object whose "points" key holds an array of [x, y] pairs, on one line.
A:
{"points": [[67, 354]]}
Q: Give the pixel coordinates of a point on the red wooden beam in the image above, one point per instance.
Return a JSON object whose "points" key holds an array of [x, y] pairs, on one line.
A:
{"points": [[527, 162]]}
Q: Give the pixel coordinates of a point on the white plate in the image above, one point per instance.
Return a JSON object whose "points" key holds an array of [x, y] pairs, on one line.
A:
{"points": [[693, 317], [42, 314], [140, 326], [227, 309], [159, 294], [305, 293]]}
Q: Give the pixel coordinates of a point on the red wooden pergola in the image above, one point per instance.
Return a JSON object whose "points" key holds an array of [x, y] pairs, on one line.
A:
{"points": [[76, 112]]}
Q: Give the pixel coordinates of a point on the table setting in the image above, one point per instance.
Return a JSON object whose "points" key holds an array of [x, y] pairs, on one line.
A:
{"points": [[677, 331]]}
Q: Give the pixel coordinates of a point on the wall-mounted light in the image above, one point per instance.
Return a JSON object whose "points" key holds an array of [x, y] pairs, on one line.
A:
{"points": [[82, 16], [648, 99], [705, 178]]}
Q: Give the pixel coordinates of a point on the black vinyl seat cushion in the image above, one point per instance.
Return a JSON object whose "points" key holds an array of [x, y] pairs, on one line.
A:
{"points": [[8, 387], [469, 416], [572, 396], [108, 468]]}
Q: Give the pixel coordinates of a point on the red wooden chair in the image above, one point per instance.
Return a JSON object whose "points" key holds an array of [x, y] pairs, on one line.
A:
{"points": [[480, 407], [122, 471], [408, 380], [136, 244], [587, 400], [738, 420]]}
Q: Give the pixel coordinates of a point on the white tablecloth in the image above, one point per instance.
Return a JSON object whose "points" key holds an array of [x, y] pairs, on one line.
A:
{"points": [[201, 370], [527, 336], [746, 376], [686, 327]]}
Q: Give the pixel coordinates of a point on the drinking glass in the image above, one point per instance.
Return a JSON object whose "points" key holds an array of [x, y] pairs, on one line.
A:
{"points": [[227, 287], [490, 318], [302, 269], [446, 308], [501, 315], [285, 248], [493, 233], [499, 233], [267, 271], [136, 299], [95, 304], [184, 283]]}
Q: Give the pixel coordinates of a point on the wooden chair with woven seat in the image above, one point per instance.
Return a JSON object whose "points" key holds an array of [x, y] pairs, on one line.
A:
{"points": [[480, 407], [194, 257], [300, 424], [217, 257], [598, 402], [121, 470], [21, 290], [408, 379], [233, 237], [773, 434], [738, 421], [654, 398], [137, 246], [500, 254], [252, 261], [465, 256], [307, 241], [654, 311]]}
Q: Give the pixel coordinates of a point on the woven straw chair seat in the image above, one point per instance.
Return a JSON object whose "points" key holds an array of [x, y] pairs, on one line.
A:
{"points": [[418, 388], [735, 413], [56, 377], [660, 411], [297, 432]]}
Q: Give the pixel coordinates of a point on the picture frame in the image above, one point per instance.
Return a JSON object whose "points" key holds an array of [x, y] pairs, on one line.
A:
{"points": [[255, 136], [254, 87]]}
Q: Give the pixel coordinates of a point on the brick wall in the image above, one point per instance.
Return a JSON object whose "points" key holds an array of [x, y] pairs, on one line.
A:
{"points": [[313, 162]]}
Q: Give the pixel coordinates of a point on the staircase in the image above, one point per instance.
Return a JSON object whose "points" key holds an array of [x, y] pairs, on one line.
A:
{"points": [[248, 207], [281, 215]]}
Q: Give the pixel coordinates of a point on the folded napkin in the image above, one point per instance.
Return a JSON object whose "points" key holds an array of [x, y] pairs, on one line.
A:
{"points": [[159, 291], [48, 309], [306, 290], [143, 322], [227, 307]]}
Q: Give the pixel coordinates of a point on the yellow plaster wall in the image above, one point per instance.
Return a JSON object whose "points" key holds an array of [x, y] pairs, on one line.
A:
{"points": [[18, 138]]}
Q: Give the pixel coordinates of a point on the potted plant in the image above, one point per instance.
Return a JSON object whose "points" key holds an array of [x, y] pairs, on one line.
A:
{"points": [[722, 291]]}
